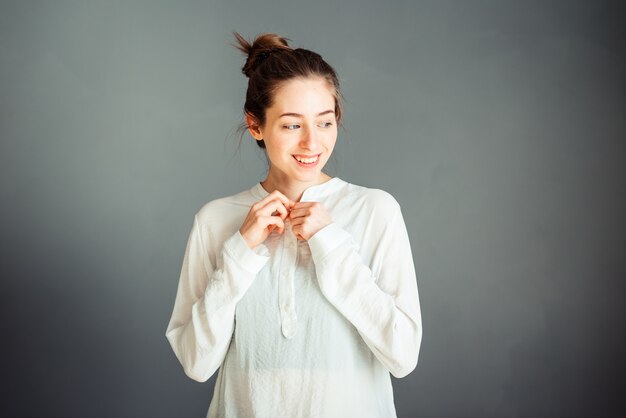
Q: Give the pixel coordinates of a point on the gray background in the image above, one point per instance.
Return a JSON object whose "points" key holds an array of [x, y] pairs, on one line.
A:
{"points": [[499, 127]]}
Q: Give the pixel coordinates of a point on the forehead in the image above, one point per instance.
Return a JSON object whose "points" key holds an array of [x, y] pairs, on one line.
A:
{"points": [[306, 96]]}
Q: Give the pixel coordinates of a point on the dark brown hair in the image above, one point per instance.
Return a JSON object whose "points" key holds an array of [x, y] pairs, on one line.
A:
{"points": [[270, 62]]}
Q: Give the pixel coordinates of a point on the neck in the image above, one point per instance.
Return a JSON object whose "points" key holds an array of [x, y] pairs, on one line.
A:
{"points": [[291, 188]]}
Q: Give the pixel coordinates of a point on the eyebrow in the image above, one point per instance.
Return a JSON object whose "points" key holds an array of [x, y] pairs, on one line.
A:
{"points": [[299, 115]]}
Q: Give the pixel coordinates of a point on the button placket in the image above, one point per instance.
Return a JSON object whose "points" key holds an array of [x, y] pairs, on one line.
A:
{"points": [[286, 283]]}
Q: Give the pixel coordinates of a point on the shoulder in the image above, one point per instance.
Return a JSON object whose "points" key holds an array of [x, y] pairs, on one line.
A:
{"points": [[225, 208], [372, 199]]}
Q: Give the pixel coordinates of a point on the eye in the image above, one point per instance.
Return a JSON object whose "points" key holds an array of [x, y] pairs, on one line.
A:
{"points": [[327, 124], [291, 127]]}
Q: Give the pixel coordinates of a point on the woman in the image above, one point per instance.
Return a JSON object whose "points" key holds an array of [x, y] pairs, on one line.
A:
{"points": [[302, 289]]}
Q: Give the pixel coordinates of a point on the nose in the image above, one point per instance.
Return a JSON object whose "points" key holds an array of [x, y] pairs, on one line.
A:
{"points": [[309, 139]]}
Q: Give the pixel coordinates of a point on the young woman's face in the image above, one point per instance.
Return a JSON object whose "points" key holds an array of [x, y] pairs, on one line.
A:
{"points": [[300, 129]]}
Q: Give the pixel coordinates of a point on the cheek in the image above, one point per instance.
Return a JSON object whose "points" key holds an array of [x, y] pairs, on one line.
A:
{"points": [[331, 141], [279, 149]]}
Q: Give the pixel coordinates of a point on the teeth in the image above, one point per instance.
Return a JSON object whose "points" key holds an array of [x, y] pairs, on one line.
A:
{"points": [[307, 160]]}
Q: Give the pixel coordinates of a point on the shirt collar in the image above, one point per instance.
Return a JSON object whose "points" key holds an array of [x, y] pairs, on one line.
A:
{"points": [[311, 193]]}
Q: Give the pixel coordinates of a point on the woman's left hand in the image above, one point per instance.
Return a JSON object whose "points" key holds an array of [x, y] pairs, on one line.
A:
{"points": [[307, 218]]}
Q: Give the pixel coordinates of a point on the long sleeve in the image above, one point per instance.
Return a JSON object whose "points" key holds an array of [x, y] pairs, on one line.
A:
{"points": [[203, 318], [381, 302]]}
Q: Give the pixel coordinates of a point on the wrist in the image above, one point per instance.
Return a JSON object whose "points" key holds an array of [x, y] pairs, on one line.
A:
{"points": [[246, 240]]}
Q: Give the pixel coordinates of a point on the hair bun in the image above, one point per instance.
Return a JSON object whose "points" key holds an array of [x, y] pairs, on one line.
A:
{"points": [[260, 49]]}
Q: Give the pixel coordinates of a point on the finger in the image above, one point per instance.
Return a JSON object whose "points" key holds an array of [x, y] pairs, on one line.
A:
{"points": [[297, 221], [276, 221], [287, 206], [280, 210], [304, 204], [276, 195], [274, 206], [300, 212], [279, 224]]}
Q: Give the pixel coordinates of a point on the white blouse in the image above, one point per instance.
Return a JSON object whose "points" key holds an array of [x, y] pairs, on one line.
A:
{"points": [[300, 328]]}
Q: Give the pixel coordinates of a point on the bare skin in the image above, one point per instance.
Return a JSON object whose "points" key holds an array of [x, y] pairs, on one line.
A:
{"points": [[301, 124], [264, 216], [307, 218], [270, 213]]}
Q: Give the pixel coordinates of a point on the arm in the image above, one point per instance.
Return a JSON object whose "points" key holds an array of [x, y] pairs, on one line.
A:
{"points": [[203, 319], [382, 303]]}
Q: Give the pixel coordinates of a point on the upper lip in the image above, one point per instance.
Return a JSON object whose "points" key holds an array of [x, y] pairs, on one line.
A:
{"points": [[306, 156]]}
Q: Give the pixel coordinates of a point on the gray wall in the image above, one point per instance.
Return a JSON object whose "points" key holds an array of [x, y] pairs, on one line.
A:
{"points": [[499, 127]]}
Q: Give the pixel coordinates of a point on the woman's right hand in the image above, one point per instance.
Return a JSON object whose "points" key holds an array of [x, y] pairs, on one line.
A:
{"points": [[261, 220]]}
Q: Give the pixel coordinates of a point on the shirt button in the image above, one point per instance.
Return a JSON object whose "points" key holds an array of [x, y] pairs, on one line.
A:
{"points": [[287, 333], [288, 330]]}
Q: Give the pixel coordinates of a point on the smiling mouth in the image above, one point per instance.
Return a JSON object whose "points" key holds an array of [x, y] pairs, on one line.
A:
{"points": [[307, 160]]}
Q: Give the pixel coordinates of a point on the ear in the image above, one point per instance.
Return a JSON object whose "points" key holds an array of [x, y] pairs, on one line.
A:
{"points": [[253, 127]]}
